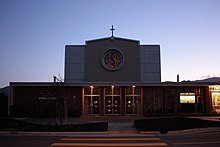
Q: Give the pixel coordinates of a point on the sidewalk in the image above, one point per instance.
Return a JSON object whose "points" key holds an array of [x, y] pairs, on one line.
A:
{"points": [[211, 118], [87, 119], [109, 119], [109, 133], [122, 124], [116, 125]]}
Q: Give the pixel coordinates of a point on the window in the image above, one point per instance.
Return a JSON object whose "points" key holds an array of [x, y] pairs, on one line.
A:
{"points": [[112, 100], [133, 100], [187, 97], [91, 100]]}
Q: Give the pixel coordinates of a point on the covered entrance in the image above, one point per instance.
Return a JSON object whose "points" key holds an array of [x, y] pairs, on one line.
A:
{"points": [[98, 100], [112, 96], [133, 100], [91, 100], [112, 100]]}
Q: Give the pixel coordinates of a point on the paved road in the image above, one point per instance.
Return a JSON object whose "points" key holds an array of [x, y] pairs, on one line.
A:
{"points": [[89, 141], [199, 138], [124, 141], [27, 141]]}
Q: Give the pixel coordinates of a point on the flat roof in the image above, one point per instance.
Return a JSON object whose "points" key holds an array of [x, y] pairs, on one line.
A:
{"points": [[168, 84]]}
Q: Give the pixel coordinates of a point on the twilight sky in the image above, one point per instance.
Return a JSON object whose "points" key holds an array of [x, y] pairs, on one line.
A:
{"points": [[33, 34]]}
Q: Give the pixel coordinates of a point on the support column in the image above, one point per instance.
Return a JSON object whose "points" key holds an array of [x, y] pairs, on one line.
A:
{"points": [[122, 106], [208, 100], [83, 104], [165, 110], [102, 102]]}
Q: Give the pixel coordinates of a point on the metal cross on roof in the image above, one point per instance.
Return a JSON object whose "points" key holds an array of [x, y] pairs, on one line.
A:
{"points": [[112, 29]]}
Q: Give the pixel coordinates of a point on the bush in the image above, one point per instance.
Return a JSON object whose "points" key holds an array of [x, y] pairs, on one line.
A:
{"points": [[49, 111], [163, 125], [74, 113], [20, 125], [17, 111], [3, 105]]}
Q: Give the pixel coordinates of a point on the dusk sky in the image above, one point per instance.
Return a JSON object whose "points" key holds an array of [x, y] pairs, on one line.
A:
{"points": [[33, 34]]}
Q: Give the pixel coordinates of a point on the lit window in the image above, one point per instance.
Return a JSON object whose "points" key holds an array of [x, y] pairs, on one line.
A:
{"points": [[187, 97]]}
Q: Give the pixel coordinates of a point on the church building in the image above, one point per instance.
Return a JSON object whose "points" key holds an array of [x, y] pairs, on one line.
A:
{"points": [[113, 76]]}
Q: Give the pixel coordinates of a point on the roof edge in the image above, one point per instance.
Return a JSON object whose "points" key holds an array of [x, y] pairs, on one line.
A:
{"points": [[112, 38], [115, 84]]}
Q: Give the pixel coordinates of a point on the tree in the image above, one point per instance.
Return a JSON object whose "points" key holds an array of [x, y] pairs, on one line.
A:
{"points": [[61, 104], [3, 105]]}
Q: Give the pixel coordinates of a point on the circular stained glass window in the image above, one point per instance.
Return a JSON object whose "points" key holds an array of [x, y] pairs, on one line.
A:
{"points": [[112, 59]]}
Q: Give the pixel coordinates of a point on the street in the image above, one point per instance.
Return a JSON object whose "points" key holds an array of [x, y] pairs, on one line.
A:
{"points": [[201, 138], [27, 141], [204, 138]]}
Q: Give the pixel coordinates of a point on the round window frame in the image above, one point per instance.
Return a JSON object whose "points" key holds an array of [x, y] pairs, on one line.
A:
{"points": [[103, 59]]}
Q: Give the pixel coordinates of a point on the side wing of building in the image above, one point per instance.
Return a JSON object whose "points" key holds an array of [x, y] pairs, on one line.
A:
{"points": [[74, 63], [150, 63]]}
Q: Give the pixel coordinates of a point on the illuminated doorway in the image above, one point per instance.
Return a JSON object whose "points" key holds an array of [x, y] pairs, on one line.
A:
{"points": [[91, 100], [133, 100], [215, 94], [112, 96]]}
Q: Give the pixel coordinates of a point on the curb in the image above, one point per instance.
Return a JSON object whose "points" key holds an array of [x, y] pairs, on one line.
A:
{"points": [[109, 133], [196, 130], [149, 132], [50, 133]]}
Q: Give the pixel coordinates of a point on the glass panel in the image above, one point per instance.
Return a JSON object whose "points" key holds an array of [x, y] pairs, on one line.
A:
{"points": [[129, 101], [170, 103], [128, 90], [96, 91], [137, 105], [86, 104], [91, 104], [137, 90], [95, 104], [158, 104], [150, 104], [216, 99], [87, 91], [112, 105], [116, 90], [108, 105], [116, 105], [133, 103], [108, 91]]}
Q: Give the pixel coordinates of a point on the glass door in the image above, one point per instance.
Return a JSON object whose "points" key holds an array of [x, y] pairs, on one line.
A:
{"points": [[112, 100], [116, 105], [94, 105], [112, 105], [91, 100], [133, 100], [133, 105]]}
